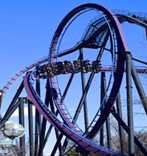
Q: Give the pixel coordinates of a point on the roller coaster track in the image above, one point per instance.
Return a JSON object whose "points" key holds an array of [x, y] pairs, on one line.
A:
{"points": [[51, 69], [118, 74], [76, 137], [122, 15], [122, 48]]}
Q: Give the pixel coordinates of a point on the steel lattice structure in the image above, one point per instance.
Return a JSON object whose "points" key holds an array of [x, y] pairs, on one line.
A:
{"points": [[78, 78]]}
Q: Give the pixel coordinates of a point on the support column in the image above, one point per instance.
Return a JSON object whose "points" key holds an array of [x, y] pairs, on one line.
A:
{"points": [[103, 81], [44, 122], [37, 121], [22, 122], [139, 87], [109, 138], [103, 92], [30, 124], [119, 111], [85, 101], [129, 105]]}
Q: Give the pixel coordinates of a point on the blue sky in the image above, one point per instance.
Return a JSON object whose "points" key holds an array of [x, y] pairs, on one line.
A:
{"points": [[27, 26]]}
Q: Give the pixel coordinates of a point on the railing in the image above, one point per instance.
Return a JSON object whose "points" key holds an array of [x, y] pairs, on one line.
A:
{"points": [[139, 15]]}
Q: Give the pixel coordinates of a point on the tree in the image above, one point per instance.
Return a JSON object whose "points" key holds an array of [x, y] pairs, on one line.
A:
{"points": [[140, 135], [73, 153]]}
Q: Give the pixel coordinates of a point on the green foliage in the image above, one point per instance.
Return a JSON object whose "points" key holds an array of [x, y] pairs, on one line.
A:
{"points": [[91, 154], [74, 153]]}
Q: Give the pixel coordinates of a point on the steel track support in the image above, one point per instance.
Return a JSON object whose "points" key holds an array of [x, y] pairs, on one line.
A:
{"points": [[103, 92], [89, 82], [103, 83], [119, 111], [48, 133], [78, 110], [44, 122], [85, 101], [126, 128], [139, 87], [58, 144], [22, 122], [30, 124], [109, 138], [87, 86], [79, 106], [37, 121], [9, 113], [67, 87], [51, 99], [13, 105], [129, 105]]}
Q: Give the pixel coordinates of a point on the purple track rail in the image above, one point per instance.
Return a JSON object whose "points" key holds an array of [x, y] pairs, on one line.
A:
{"points": [[10, 82], [83, 142], [73, 133], [122, 49]]}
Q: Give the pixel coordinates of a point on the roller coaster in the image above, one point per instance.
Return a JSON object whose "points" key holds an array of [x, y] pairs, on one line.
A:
{"points": [[72, 95]]}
